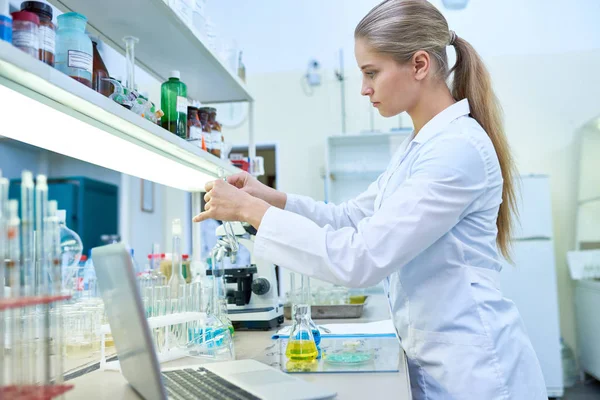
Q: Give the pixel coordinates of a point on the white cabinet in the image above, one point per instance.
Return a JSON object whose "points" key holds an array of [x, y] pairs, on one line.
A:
{"points": [[352, 162]]}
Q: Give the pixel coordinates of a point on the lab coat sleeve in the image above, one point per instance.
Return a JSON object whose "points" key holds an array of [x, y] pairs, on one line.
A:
{"points": [[347, 214], [445, 180]]}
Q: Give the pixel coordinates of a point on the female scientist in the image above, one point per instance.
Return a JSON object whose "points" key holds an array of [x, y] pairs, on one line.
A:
{"points": [[433, 226]]}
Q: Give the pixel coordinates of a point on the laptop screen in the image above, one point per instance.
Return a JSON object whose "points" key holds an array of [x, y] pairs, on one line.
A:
{"points": [[123, 305]]}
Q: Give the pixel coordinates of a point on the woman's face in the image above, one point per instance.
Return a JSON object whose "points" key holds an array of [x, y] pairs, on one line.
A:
{"points": [[392, 87]]}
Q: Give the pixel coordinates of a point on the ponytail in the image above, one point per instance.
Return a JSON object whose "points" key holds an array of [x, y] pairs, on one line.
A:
{"points": [[472, 81]]}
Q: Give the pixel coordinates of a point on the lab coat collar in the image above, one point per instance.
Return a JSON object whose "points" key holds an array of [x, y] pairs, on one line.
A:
{"points": [[442, 120]]}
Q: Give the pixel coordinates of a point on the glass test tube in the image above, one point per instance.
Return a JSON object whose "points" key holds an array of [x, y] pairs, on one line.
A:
{"points": [[13, 265], [56, 274], [41, 278], [3, 257], [28, 268]]}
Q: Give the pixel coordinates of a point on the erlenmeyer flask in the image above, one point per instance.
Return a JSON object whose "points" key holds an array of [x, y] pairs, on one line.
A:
{"points": [[301, 344], [307, 299]]}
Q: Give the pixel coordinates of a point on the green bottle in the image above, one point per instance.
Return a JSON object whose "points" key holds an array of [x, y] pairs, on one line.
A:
{"points": [[173, 101]]}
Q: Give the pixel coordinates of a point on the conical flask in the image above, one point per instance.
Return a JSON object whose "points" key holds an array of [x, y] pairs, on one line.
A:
{"points": [[301, 344]]}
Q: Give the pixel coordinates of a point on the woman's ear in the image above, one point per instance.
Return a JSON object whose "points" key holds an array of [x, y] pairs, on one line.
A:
{"points": [[421, 64]]}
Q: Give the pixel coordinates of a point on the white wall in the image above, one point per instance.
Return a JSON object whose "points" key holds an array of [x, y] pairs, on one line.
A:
{"points": [[282, 35]]}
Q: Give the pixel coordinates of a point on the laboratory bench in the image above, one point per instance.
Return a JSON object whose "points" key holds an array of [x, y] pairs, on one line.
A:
{"points": [[112, 385]]}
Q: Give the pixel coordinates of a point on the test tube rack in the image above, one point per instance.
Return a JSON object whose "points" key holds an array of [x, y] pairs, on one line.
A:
{"points": [[168, 353], [31, 392]]}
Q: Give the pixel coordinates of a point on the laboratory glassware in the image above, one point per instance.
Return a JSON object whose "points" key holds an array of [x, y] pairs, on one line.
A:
{"points": [[47, 30], [25, 32], [74, 50], [130, 43], [173, 102], [301, 343]]}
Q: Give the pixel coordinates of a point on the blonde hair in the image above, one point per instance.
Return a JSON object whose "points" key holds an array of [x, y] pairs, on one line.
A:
{"points": [[400, 28]]}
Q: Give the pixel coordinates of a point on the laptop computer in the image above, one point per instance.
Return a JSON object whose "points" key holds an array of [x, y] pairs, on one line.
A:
{"points": [[240, 379]]}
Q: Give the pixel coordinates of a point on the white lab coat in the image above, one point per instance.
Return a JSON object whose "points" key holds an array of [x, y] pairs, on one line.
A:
{"points": [[427, 227]]}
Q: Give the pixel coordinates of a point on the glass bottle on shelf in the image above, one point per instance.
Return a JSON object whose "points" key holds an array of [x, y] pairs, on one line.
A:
{"points": [[47, 30], [6, 21], [25, 32], [173, 102], [194, 125], [74, 50], [215, 128], [206, 131], [100, 72]]}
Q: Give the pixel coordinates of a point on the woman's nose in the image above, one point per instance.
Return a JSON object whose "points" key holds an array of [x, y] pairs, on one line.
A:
{"points": [[366, 91]]}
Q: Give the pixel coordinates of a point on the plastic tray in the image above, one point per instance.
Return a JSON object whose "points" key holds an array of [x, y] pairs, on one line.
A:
{"points": [[383, 356], [336, 311]]}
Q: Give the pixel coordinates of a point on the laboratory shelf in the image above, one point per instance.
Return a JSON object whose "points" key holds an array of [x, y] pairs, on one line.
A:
{"points": [[166, 43], [33, 392], [6, 304], [48, 109]]}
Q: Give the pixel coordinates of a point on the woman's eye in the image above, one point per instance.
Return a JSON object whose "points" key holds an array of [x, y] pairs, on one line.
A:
{"points": [[370, 74]]}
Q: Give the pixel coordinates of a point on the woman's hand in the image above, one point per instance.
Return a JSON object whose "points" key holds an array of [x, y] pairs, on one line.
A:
{"points": [[225, 202], [255, 188]]}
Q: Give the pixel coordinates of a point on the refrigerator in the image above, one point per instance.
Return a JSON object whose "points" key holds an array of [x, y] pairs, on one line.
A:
{"points": [[530, 282]]}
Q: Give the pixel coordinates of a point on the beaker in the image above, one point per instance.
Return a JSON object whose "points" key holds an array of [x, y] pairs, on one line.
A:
{"points": [[301, 343]]}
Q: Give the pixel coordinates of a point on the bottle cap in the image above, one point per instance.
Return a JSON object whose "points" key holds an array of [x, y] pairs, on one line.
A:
{"points": [[175, 74], [37, 7], [26, 16]]}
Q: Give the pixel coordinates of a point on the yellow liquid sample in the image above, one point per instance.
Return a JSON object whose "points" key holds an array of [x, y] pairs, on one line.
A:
{"points": [[357, 299], [301, 350]]}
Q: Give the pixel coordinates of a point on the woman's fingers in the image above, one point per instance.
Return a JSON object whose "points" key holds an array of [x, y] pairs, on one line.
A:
{"points": [[207, 197], [237, 180], [201, 217], [209, 185]]}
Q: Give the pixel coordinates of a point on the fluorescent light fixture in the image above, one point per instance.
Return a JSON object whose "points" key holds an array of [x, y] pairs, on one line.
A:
{"points": [[61, 115]]}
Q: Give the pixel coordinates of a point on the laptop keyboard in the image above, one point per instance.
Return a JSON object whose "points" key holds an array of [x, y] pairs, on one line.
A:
{"points": [[202, 384]]}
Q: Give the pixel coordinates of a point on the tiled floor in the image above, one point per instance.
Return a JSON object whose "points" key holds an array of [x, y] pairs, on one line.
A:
{"points": [[590, 390]]}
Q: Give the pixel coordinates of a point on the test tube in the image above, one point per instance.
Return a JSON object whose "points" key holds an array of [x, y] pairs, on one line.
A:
{"points": [[3, 257], [41, 278], [13, 265], [53, 229], [155, 259], [292, 290], [28, 266]]}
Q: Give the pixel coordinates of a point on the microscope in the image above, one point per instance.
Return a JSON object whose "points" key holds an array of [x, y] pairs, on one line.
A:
{"points": [[251, 290]]}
